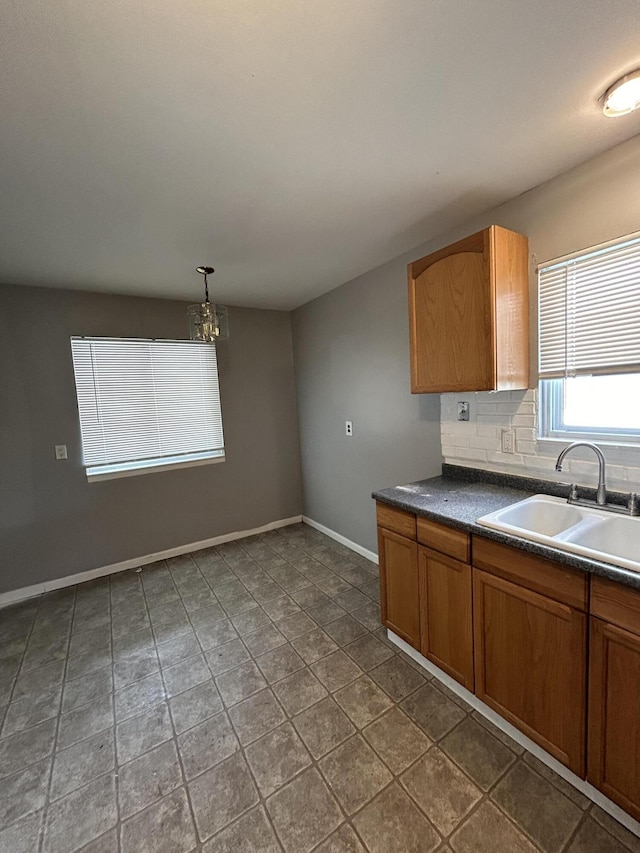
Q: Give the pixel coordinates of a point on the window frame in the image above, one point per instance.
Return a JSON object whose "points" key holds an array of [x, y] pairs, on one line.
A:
{"points": [[96, 473], [134, 467], [551, 424], [621, 254]]}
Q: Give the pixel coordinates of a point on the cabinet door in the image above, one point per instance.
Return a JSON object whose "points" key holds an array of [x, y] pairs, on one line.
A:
{"points": [[399, 589], [452, 347], [530, 654], [614, 722], [446, 614]]}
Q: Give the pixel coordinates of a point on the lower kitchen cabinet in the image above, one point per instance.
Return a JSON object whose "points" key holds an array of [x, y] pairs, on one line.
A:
{"points": [[521, 631], [530, 664], [446, 614], [399, 586], [614, 720]]}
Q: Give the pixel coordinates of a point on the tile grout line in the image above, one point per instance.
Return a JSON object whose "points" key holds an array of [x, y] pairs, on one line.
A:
{"points": [[174, 740], [285, 592], [241, 748], [583, 819], [47, 803], [11, 694], [288, 718], [116, 769], [224, 711], [119, 822], [23, 655], [315, 763], [262, 800], [485, 795], [488, 798], [307, 666]]}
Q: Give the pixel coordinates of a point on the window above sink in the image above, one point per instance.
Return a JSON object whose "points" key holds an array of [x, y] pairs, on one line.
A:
{"points": [[589, 344], [595, 408]]}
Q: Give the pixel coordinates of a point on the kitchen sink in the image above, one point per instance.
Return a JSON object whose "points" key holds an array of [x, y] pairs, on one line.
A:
{"points": [[587, 531], [617, 537], [539, 514]]}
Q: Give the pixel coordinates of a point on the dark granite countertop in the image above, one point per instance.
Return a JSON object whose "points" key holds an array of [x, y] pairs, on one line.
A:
{"points": [[462, 495]]}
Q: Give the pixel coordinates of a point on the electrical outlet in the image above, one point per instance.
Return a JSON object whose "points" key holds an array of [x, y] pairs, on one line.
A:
{"points": [[348, 427], [507, 441], [463, 411], [61, 451]]}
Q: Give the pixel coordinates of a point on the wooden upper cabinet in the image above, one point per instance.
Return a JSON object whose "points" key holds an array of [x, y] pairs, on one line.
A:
{"points": [[469, 315]]}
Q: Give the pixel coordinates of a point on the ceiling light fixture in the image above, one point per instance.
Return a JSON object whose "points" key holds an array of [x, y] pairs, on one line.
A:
{"points": [[624, 96], [208, 322]]}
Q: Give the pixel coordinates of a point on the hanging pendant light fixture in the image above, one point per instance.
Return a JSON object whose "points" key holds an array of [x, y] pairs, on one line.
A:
{"points": [[208, 322]]}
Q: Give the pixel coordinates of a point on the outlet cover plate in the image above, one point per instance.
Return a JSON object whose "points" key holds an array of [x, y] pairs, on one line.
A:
{"points": [[507, 441]]}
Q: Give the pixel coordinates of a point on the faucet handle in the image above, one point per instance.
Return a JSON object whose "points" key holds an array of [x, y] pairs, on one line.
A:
{"points": [[633, 504], [573, 493]]}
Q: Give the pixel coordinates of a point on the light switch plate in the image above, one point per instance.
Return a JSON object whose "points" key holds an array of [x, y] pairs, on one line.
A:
{"points": [[61, 451]]}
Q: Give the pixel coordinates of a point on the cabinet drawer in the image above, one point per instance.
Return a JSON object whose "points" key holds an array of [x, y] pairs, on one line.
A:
{"points": [[403, 523], [535, 573], [454, 543], [615, 603]]}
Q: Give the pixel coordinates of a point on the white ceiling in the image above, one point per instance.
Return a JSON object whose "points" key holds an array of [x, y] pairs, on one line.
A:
{"points": [[290, 144]]}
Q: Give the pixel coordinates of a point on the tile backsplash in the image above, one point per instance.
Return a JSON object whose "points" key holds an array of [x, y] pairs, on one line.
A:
{"points": [[477, 442]]}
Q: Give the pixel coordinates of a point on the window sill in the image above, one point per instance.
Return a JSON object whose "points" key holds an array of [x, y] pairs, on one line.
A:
{"points": [[620, 455], [132, 469], [552, 442]]}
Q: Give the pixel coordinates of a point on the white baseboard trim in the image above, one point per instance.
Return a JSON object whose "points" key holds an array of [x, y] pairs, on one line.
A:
{"points": [[15, 595], [515, 734], [369, 555]]}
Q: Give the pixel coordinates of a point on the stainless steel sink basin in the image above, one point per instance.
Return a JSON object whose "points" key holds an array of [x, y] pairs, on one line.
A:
{"points": [[581, 530]]}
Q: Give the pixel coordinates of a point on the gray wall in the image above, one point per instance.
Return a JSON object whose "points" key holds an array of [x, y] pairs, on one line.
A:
{"points": [[351, 346], [54, 523], [351, 352]]}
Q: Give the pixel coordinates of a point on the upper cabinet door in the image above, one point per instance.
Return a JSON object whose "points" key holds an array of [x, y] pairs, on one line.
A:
{"points": [[468, 315]]}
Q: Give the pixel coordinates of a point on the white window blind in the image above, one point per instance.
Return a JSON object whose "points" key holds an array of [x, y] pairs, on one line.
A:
{"points": [[589, 313], [146, 403]]}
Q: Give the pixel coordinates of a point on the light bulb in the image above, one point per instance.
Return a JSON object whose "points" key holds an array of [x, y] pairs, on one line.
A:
{"points": [[624, 96]]}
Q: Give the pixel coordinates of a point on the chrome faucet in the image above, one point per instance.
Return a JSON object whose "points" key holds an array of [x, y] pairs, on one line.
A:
{"points": [[601, 494]]}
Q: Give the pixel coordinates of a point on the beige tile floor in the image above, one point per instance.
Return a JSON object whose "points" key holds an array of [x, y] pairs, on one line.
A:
{"points": [[245, 698]]}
